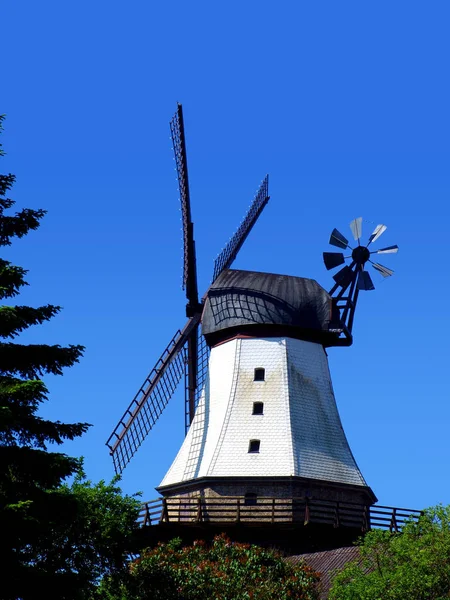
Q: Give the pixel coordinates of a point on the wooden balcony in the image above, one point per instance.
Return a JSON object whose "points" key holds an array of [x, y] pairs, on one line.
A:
{"points": [[260, 512]]}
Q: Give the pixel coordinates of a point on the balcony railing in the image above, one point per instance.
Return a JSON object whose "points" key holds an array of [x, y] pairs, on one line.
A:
{"points": [[299, 511]]}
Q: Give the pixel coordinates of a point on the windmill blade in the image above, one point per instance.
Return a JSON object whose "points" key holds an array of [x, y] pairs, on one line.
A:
{"points": [[333, 259], [151, 399], [365, 281], [191, 376], [229, 253], [344, 276], [337, 239], [388, 250], [379, 230], [356, 227], [189, 260], [383, 270], [201, 372]]}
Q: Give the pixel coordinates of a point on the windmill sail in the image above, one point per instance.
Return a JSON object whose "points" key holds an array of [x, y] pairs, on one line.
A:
{"points": [[229, 253], [151, 399], [201, 371], [189, 262]]}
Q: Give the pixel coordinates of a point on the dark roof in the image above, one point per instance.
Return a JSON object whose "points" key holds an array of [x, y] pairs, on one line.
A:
{"points": [[327, 563], [243, 299]]}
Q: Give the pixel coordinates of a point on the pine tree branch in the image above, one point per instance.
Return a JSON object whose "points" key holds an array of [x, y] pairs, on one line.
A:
{"points": [[19, 225], [11, 279], [19, 426], [6, 182], [26, 393], [19, 401], [35, 360], [14, 319], [5, 203], [25, 468]]}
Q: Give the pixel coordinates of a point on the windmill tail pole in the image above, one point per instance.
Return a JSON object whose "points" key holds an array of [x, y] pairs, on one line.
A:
{"points": [[349, 309], [351, 314]]}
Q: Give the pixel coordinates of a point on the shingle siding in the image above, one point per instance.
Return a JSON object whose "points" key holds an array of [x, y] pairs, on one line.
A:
{"points": [[321, 450], [300, 430]]}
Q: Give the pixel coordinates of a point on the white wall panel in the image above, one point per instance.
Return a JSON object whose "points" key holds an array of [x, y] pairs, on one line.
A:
{"points": [[300, 431]]}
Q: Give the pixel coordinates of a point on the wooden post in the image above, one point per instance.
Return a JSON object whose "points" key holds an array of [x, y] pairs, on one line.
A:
{"points": [[147, 519], [306, 521], [336, 516], [199, 509], [365, 520], [164, 512], [273, 510], [393, 525], [238, 513]]}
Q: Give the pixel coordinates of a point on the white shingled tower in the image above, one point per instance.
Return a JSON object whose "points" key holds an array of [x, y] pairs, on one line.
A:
{"points": [[267, 410]]}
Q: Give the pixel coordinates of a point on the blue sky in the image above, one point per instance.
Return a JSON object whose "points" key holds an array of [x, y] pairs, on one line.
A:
{"points": [[345, 105]]}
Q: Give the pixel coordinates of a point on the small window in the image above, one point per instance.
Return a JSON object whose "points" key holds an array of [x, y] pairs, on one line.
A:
{"points": [[253, 446], [250, 499], [259, 374], [258, 408]]}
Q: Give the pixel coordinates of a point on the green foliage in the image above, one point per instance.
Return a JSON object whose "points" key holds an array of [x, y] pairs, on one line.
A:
{"points": [[76, 535], [105, 522], [19, 224], [413, 565], [11, 279], [224, 570], [34, 360], [14, 319], [93, 540]]}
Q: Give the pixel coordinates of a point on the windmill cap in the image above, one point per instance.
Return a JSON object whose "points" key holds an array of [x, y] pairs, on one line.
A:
{"points": [[265, 305]]}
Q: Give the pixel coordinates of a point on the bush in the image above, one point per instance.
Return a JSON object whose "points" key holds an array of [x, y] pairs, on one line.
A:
{"points": [[224, 570], [414, 564]]}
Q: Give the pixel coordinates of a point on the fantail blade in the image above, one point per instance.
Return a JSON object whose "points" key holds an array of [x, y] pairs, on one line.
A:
{"points": [[344, 276], [383, 270], [333, 259], [379, 230], [337, 239], [365, 281], [388, 250], [356, 227]]}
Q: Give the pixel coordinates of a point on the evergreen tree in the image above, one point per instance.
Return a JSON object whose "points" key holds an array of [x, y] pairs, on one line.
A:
{"points": [[32, 506]]}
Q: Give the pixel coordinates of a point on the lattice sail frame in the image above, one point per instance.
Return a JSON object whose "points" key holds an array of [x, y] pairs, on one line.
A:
{"points": [[150, 400], [203, 353], [229, 253], [179, 149]]}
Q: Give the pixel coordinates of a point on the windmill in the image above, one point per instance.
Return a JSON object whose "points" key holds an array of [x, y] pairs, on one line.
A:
{"points": [[354, 277], [186, 355], [261, 418]]}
